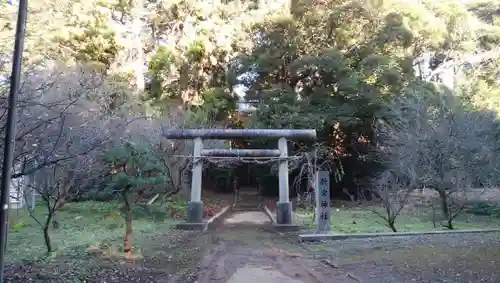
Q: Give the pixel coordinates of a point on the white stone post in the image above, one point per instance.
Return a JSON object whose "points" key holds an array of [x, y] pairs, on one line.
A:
{"points": [[197, 171], [195, 206], [284, 211], [283, 171]]}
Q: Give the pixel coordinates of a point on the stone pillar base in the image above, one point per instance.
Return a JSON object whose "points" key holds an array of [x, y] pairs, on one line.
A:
{"points": [[195, 212], [194, 219], [284, 213], [191, 226]]}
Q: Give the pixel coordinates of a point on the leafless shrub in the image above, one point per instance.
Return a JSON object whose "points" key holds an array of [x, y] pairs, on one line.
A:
{"points": [[440, 145], [309, 160], [391, 192], [55, 185]]}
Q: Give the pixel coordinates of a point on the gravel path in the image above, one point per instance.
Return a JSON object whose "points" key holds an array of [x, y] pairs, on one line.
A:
{"points": [[444, 258]]}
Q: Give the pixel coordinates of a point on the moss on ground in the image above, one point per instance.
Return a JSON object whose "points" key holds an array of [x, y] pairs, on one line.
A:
{"points": [[82, 225], [88, 245]]}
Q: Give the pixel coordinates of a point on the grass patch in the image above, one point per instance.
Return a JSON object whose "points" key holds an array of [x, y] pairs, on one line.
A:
{"points": [[82, 225], [363, 220]]}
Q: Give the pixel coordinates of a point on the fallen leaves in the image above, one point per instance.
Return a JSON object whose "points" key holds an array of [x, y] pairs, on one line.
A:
{"points": [[210, 210]]}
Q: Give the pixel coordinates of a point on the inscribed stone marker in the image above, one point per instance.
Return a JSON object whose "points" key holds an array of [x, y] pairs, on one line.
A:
{"points": [[323, 207]]}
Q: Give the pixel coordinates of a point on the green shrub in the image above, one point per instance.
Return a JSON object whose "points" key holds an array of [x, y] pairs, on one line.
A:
{"points": [[484, 208], [150, 212], [17, 226]]}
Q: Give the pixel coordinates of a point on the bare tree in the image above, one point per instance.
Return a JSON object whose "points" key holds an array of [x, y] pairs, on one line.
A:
{"points": [[310, 159], [64, 123], [62, 113], [441, 144], [56, 185], [391, 192]]}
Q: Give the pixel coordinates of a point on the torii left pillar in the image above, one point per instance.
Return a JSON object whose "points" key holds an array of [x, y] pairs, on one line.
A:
{"points": [[195, 205], [284, 209]]}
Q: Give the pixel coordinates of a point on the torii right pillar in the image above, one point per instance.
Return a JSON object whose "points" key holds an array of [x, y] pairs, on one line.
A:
{"points": [[284, 209]]}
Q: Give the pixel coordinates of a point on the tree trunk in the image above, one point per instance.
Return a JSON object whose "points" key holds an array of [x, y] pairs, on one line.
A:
{"points": [[449, 223], [46, 236], [434, 216], [138, 7], [55, 223], [444, 203], [392, 225], [127, 240]]}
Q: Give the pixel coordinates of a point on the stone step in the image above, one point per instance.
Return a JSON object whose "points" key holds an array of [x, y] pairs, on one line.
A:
{"points": [[246, 205], [246, 208], [249, 193], [250, 199], [249, 204], [248, 189]]}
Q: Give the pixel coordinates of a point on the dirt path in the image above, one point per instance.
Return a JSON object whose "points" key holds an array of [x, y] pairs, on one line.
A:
{"points": [[248, 251], [243, 248]]}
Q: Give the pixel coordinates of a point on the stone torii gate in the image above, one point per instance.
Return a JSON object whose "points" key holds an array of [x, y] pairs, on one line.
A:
{"points": [[195, 205]]}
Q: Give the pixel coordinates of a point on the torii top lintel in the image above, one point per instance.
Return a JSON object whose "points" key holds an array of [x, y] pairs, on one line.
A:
{"points": [[221, 134]]}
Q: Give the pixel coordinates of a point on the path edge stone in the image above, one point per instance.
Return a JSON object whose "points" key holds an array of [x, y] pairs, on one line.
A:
{"points": [[339, 236], [269, 214], [219, 214], [281, 227]]}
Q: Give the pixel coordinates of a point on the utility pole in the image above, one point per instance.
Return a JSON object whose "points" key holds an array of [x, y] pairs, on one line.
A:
{"points": [[10, 130]]}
